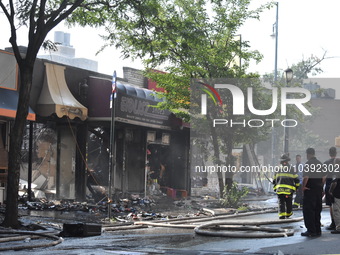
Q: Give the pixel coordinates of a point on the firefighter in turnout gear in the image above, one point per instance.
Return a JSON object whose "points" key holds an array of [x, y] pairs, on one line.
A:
{"points": [[285, 183]]}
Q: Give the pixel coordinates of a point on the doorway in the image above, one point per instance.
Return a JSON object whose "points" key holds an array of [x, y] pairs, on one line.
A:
{"points": [[158, 163]]}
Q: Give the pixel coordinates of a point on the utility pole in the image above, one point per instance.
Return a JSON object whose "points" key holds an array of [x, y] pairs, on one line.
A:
{"points": [[112, 141], [275, 35]]}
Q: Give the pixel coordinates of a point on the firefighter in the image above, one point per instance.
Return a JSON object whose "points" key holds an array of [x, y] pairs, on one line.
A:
{"points": [[285, 183]]}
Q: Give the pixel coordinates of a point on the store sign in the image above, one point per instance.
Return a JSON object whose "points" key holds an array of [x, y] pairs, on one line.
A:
{"points": [[140, 111]]}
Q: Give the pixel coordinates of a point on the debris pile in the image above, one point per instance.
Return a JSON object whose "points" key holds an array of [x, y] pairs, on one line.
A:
{"points": [[129, 209], [134, 208], [122, 205]]}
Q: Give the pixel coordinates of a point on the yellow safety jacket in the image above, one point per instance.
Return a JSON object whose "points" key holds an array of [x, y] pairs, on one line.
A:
{"points": [[286, 180]]}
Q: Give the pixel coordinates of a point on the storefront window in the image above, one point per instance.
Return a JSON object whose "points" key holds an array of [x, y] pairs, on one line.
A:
{"points": [[44, 158]]}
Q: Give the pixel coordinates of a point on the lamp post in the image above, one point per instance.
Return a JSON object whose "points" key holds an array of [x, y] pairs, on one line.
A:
{"points": [[288, 73], [275, 35]]}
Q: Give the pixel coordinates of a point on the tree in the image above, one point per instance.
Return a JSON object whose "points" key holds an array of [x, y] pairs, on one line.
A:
{"points": [[311, 65], [302, 70], [191, 39], [188, 39], [40, 17]]}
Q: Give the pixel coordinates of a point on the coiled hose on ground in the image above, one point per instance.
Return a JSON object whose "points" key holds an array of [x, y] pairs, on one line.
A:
{"points": [[253, 228], [27, 234]]}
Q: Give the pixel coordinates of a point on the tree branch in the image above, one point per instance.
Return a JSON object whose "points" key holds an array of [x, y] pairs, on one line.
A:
{"points": [[13, 39], [32, 23], [55, 20]]}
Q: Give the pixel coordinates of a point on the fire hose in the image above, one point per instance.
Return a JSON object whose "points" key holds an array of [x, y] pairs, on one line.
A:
{"points": [[256, 231], [57, 240]]}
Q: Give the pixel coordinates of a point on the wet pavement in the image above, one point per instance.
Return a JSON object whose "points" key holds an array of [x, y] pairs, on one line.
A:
{"points": [[160, 240], [165, 240]]}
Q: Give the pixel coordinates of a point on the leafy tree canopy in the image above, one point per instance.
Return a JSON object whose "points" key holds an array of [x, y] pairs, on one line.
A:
{"points": [[190, 39], [185, 38]]}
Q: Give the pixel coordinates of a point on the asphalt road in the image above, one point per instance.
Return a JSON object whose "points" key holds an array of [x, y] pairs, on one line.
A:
{"points": [[160, 240]]}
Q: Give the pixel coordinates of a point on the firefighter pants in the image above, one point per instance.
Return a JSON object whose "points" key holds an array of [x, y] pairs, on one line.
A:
{"points": [[285, 205]]}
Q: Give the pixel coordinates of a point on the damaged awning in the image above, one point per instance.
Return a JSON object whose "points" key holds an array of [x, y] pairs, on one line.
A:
{"points": [[9, 103], [56, 98], [134, 105]]}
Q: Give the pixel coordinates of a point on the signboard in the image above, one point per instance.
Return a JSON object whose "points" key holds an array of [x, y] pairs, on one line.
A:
{"points": [[139, 111], [132, 104]]}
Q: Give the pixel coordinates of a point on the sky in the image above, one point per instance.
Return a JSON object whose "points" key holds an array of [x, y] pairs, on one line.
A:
{"points": [[305, 28]]}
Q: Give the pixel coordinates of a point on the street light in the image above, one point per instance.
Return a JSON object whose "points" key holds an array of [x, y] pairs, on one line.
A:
{"points": [[288, 73], [275, 35]]}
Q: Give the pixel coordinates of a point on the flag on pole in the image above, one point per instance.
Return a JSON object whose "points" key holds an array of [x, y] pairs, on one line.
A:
{"points": [[114, 88], [114, 84]]}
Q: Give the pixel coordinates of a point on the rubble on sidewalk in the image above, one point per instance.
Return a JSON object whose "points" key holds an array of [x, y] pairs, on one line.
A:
{"points": [[127, 209], [133, 208]]}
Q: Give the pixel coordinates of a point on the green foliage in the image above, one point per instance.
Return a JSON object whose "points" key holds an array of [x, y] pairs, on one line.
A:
{"points": [[193, 39], [178, 100], [301, 70], [188, 39], [96, 13], [311, 65], [300, 137], [233, 195], [242, 208]]}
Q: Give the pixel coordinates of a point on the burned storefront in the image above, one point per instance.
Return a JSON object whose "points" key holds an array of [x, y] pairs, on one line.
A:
{"points": [[151, 145], [57, 172], [9, 97], [65, 153]]}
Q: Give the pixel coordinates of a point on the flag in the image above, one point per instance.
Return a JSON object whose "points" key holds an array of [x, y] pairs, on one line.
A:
{"points": [[114, 84], [114, 88]]}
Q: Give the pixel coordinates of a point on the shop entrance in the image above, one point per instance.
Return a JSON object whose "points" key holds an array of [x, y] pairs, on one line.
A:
{"points": [[158, 168], [157, 157]]}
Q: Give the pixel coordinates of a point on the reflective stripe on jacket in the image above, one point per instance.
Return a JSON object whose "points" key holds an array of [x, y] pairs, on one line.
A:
{"points": [[286, 181]]}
